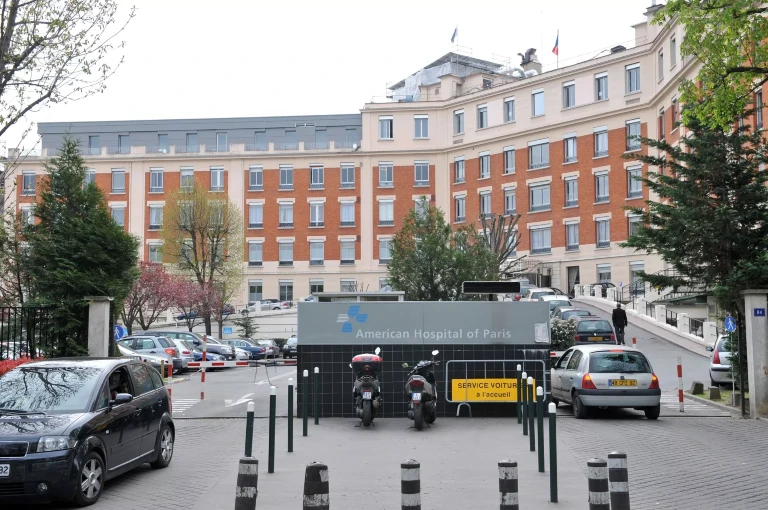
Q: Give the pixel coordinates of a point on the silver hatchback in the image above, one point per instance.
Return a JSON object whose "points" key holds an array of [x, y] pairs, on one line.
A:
{"points": [[606, 376]]}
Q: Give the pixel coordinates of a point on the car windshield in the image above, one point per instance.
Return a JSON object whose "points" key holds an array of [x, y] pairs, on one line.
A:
{"points": [[292, 341], [266, 343], [183, 343], [554, 304], [538, 294], [576, 313], [211, 340], [618, 362], [723, 345], [54, 390], [590, 326]]}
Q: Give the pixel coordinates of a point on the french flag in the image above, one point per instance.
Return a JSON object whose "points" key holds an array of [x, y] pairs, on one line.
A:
{"points": [[556, 49]]}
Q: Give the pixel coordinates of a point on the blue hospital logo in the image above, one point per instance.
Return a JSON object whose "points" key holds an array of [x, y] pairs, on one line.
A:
{"points": [[353, 313]]}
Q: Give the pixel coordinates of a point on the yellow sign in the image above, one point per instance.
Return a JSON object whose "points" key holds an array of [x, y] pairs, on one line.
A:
{"points": [[484, 390]]}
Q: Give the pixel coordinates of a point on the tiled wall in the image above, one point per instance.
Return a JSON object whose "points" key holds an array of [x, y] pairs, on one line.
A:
{"points": [[336, 378]]}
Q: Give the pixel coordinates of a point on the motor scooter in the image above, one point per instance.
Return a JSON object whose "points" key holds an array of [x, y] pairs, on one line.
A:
{"points": [[421, 390], [366, 388]]}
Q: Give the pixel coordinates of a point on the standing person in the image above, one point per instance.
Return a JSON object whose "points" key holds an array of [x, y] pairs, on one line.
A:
{"points": [[620, 321]]}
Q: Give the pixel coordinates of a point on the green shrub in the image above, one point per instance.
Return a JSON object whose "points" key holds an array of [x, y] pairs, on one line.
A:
{"points": [[563, 333]]}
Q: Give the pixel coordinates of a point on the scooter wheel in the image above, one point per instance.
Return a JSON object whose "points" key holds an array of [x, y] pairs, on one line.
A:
{"points": [[418, 417], [367, 413]]}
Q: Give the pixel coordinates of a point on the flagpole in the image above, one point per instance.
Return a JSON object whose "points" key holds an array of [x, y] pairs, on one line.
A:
{"points": [[558, 49]]}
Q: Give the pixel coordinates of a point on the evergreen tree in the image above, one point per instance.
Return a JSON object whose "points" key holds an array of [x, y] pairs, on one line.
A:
{"points": [[246, 325], [76, 249]]}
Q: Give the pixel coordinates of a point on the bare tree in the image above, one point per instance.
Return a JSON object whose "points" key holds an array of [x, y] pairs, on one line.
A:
{"points": [[502, 235], [14, 279], [55, 51]]}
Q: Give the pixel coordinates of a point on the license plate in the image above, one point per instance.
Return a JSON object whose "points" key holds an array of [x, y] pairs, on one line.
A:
{"points": [[416, 397], [595, 339], [5, 470], [622, 382], [367, 395]]}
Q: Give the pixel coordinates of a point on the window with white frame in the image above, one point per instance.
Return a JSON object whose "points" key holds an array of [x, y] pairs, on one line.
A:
{"points": [[662, 128], [285, 253], [572, 236], [217, 178], [385, 127], [317, 177], [485, 204], [421, 173], [156, 253], [634, 182], [541, 240], [603, 273], [386, 174], [571, 191], [118, 180], [347, 250], [384, 285], [316, 286], [603, 227], [155, 180], [759, 109], [633, 134], [601, 187], [458, 122], [385, 251], [155, 217], [459, 205], [286, 290], [118, 214], [512, 242], [286, 215], [509, 160], [29, 183], [347, 214], [255, 178], [255, 291], [539, 197], [316, 214], [286, 177], [420, 206], [386, 213], [90, 177], [254, 253], [347, 285], [569, 149], [510, 201], [482, 116], [661, 65], [537, 102], [632, 78], [569, 94], [601, 142], [634, 222], [509, 109], [538, 154], [255, 215], [347, 176], [187, 179], [601, 86], [672, 52], [316, 253], [458, 170], [27, 218], [485, 165], [421, 126]]}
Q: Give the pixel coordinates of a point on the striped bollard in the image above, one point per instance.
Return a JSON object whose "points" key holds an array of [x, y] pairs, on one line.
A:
{"points": [[202, 375], [519, 395], [508, 485], [170, 390], [597, 479], [410, 485], [634, 342], [316, 495], [680, 396], [524, 390], [247, 484], [618, 480]]}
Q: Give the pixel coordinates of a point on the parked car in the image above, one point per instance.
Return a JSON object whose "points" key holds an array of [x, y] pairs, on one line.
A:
{"points": [[604, 285], [86, 421], [196, 340], [185, 350], [242, 354], [274, 304], [186, 315], [290, 349], [595, 376], [720, 361], [524, 288], [256, 351], [209, 356], [535, 293], [271, 348], [566, 312], [156, 360], [555, 301], [154, 345], [591, 330]]}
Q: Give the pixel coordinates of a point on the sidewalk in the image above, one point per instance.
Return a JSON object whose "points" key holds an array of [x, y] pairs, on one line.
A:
{"points": [[458, 466]]}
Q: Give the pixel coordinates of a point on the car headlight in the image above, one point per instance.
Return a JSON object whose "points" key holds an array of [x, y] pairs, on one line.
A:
{"points": [[55, 443]]}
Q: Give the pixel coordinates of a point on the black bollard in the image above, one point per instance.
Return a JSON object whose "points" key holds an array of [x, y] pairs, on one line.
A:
{"points": [[316, 494], [524, 390], [540, 425], [519, 395], [552, 452], [531, 411], [249, 430], [272, 412], [247, 484], [290, 415], [316, 383], [305, 401]]}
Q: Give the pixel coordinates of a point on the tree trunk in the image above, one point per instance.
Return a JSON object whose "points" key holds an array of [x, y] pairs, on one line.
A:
{"points": [[207, 322], [221, 328]]}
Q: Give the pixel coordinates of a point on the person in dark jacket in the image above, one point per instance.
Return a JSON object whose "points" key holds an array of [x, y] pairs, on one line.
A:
{"points": [[620, 321]]}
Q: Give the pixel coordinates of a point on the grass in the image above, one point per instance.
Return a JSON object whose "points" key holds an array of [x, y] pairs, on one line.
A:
{"points": [[725, 395]]}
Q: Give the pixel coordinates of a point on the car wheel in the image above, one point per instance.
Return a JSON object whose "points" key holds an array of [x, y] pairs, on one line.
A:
{"points": [[91, 480], [652, 413], [555, 401], [276, 308], [164, 447], [580, 411]]}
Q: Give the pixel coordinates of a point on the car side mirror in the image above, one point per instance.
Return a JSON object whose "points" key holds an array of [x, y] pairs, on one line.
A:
{"points": [[121, 398], [709, 348]]}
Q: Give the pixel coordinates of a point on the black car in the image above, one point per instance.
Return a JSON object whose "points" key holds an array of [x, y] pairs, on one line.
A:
{"points": [[195, 340], [290, 349], [68, 425], [605, 286], [594, 330]]}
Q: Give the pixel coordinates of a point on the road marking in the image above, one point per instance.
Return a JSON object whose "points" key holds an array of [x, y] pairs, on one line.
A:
{"points": [[241, 400], [266, 381], [671, 402], [182, 404]]}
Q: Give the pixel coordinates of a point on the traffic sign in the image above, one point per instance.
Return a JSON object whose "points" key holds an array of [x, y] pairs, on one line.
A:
{"points": [[120, 332], [227, 330], [621, 284], [730, 324]]}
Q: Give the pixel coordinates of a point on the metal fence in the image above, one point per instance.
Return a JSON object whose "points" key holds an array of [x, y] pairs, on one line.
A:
{"points": [[671, 318], [696, 327], [43, 332], [650, 310]]}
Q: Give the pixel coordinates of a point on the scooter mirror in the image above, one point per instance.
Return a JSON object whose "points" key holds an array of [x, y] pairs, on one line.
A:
{"points": [[350, 365], [405, 365], [377, 351], [435, 352]]}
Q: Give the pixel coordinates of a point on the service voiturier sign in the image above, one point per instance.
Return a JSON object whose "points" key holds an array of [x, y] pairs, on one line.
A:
{"points": [[484, 390]]}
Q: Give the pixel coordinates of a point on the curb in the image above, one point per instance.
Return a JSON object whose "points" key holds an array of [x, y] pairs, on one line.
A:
{"points": [[710, 403]]}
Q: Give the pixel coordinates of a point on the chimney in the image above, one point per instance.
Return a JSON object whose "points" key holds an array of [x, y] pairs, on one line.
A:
{"points": [[530, 62]]}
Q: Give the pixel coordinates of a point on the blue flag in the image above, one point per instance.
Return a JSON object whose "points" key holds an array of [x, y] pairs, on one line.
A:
{"points": [[455, 34]]}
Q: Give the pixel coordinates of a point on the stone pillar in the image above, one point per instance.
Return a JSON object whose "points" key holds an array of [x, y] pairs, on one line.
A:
{"points": [[598, 291], [611, 295], [98, 326], [640, 306], [682, 323], [710, 333], [755, 304], [661, 313]]}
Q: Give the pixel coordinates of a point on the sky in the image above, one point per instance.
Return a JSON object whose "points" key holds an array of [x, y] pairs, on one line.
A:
{"points": [[238, 58]]}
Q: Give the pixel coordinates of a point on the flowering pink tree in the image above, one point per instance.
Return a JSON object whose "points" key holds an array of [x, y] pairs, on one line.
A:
{"points": [[190, 299], [150, 296]]}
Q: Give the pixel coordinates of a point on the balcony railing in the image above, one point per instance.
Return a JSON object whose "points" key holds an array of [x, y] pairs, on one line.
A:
{"points": [[459, 219], [603, 244], [571, 247], [89, 151], [156, 189], [386, 223], [187, 149], [542, 207], [633, 145], [256, 147], [421, 184], [285, 224], [510, 212], [316, 223], [509, 171], [571, 203], [600, 154], [28, 192], [347, 223], [345, 145], [254, 263], [217, 148], [155, 227], [316, 262], [286, 186], [256, 225], [348, 185], [256, 187], [284, 263], [157, 149], [317, 146], [387, 184], [317, 185], [118, 150], [459, 180], [635, 193], [603, 198], [347, 262], [570, 159], [384, 262], [534, 166], [286, 146], [538, 251], [217, 188]]}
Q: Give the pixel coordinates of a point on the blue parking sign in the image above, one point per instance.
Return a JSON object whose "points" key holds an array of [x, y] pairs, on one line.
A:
{"points": [[227, 330]]}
